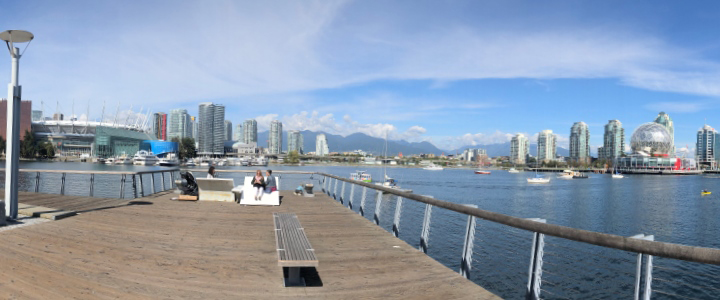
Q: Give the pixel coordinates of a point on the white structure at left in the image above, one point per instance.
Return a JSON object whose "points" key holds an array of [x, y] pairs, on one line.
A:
{"points": [[12, 151]]}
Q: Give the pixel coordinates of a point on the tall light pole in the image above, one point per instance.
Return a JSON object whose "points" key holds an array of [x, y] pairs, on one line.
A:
{"points": [[12, 151]]}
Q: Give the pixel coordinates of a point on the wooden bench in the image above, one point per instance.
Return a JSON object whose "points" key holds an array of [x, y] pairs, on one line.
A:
{"points": [[293, 248]]}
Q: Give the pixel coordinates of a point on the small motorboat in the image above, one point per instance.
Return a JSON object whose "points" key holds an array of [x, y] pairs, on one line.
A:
{"points": [[482, 172], [513, 170], [705, 192], [433, 167], [578, 175], [566, 174]]}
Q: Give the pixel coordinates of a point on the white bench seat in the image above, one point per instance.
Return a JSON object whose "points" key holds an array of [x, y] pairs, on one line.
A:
{"points": [[248, 194]]}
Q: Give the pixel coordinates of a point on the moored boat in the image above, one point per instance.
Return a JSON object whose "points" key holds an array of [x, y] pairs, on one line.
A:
{"points": [[566, 174], [361, 176], [433, 167], [482, 172], [145, 158], [513, 170]]}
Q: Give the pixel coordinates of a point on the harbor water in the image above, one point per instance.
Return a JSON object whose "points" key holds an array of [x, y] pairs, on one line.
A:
{"points": [[669, 207]]}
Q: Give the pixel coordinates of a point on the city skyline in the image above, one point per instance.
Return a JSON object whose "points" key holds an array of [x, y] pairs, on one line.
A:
{"points": [[466, 78]]}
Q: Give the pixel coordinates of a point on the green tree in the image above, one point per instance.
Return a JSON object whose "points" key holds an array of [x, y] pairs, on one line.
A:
{"points": [[46, 150], [186, 147], [28, 147], [293, 157]]}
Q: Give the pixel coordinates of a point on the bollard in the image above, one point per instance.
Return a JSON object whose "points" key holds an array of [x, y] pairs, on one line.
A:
{"points": [[425, 233], [466, 260], [396, 220], [352, 193], [536, 261]]}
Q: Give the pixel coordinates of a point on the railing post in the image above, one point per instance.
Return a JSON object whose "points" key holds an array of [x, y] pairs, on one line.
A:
{"points": [[162, 174], [335, 190], [324, 183], [122, 186], [37, 182], [378, 205], [142, 188], [342, 192], [466, 261], [648, 270], [62, 185], [425, 233], [134, 187], [152, 182], [361, 211], [92, 184], [396, 220], [172, 179], [536, 261], [352, 193]]}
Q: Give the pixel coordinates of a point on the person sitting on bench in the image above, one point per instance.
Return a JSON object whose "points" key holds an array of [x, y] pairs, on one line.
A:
{"points": [[211, 173], [270, 184], [258, 184]]}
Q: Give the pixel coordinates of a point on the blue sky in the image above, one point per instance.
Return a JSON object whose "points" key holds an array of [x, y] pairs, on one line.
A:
{"points": [[451, 72]]}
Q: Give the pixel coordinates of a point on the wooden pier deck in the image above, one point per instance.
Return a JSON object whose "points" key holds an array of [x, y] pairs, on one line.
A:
{"points": [[156, 248]]}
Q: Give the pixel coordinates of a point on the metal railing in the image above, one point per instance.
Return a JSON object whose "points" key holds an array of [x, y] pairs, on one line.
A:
{"points": [[131, 184], [550, 249]]}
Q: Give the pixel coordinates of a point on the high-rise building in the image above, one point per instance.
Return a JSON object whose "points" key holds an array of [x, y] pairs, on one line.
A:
{"points": [[295, 141], [321, 145], [708, 142], [580, 143], [160, 125], [179, 124], [275, 142], [37, 115], [665, 120], [238, 133], [195, 128], [613, 141], [228, 130], [546, 146], [211, 130], [250, 131], [519, 149], [25, 118]]}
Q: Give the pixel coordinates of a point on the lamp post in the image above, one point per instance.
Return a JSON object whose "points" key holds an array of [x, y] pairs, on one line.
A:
{"points": [[12, 151]]}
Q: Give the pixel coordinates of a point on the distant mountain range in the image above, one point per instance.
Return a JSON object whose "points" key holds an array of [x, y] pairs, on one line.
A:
{"points": [[355, 141]]}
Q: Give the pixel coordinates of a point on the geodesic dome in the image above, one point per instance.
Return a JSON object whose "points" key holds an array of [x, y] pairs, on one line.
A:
{"points": [[651, 138]]}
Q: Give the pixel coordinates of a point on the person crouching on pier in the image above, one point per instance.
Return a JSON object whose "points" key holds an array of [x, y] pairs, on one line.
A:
{"points": [[258, 183], [270, 184]]}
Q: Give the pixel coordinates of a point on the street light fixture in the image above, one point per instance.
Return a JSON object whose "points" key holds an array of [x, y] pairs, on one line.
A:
{"points": [[12, 152]]}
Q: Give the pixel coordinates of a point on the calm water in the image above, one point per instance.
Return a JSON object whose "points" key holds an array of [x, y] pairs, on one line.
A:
{"points": [[669, 207]]}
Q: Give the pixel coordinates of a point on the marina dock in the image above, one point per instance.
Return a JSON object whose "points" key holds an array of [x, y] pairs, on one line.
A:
{"points": [[154, 247]]}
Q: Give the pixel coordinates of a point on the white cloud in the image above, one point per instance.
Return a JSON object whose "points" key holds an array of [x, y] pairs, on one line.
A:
{"points": [[229, 49]]}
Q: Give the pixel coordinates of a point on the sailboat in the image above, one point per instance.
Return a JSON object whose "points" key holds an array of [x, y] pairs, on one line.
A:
{"points": [[387, 181], [538, 179], [617, 174]]}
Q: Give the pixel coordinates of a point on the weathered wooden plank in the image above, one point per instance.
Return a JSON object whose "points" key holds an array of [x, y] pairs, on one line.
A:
{"points": [[173, 249]]}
